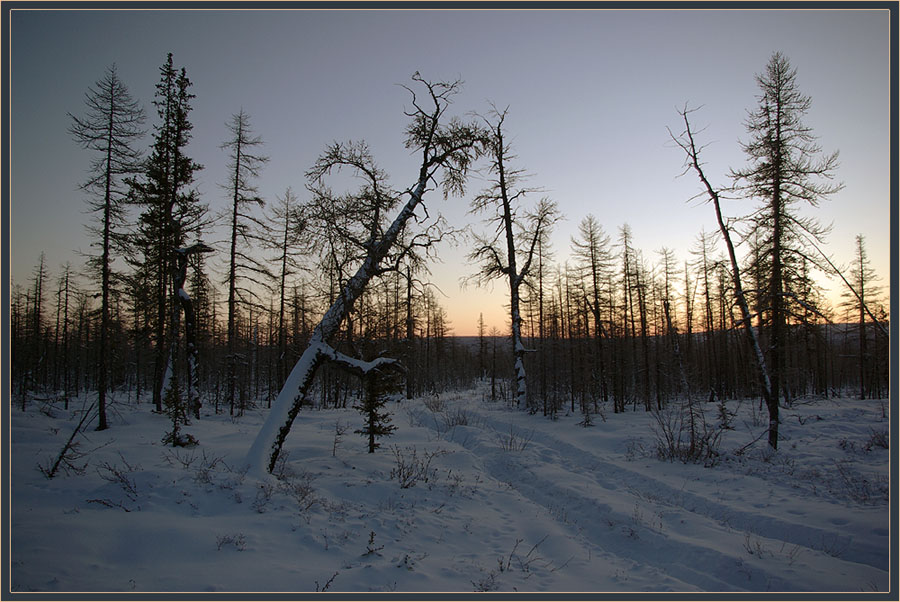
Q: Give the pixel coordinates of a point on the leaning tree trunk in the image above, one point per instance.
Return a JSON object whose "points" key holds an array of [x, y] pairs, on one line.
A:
{"points": [[265, 449], [770, 396], [450, 148]]}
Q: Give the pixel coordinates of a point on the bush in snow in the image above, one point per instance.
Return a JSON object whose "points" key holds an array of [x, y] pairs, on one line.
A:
{"points": [[515, 440], [301, 490], [435, 403], [879, 439], [237, 540], [410, 467], [682, 433], [121, 476]]}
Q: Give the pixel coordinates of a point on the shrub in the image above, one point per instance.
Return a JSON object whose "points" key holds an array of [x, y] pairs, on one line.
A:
{"points": [[435, 403], [237, 540], [121, 476], [880, 439], [410, 467], [301, 490], [514, 440], [682, 433], [457, 417]]}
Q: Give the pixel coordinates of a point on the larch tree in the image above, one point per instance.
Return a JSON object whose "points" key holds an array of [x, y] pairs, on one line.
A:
{"points": [[705, 266], [34, 320], [594, 259], [863, 294], [284, 234], [110, 128], [664, 289], [65, 278], [446, 147], [510, 249], [535, 289], [244, 166], [482, 346], [415, 287], [786, 168], [688, 292], [628, 358], [17, 346]]}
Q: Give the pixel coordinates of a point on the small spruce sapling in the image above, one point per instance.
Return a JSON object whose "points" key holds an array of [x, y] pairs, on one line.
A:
{"points": [[587, 419], [725, 415], [175, 409], [377, 421]]}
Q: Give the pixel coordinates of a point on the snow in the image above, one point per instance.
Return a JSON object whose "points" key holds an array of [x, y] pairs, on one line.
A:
{"points": [[258, 455], [496, 500]]}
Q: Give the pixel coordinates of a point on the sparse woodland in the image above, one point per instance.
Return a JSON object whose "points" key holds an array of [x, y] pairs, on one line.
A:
{"points": [[597, 328]]}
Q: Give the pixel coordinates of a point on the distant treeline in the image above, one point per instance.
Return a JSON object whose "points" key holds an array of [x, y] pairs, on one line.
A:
{"points": [[54, 339]]}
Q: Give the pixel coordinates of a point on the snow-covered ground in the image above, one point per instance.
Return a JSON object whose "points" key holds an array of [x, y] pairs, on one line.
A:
{"points": [[467, 495]]}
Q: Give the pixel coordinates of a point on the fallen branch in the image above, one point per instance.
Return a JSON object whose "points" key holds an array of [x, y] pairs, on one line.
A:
{"points": [[68, 447]]}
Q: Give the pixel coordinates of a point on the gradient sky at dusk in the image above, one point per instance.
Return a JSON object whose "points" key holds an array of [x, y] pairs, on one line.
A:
{"points": [[590, 94]]}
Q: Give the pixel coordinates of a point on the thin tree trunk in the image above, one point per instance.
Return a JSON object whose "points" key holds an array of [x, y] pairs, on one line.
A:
{"points": [[766, 384]]}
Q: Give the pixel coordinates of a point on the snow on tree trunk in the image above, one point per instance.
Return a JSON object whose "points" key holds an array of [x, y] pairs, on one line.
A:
{"points": [[178, 410], [450, 148], [519, 351], [190, 331], [266, 447]]}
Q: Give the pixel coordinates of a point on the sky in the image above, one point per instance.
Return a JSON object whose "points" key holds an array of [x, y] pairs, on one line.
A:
{"points": [[590, 93]]}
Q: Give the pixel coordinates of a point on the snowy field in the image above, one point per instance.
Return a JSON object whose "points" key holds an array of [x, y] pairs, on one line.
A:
{"points": [[467, 495]]}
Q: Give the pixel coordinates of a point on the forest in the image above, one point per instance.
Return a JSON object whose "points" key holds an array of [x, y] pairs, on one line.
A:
{"points": [[323, 312], [601, 326]]}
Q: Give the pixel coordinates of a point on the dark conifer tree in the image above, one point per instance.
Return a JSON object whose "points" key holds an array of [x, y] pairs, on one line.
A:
{"points": [[378, 387], [172, 212]]}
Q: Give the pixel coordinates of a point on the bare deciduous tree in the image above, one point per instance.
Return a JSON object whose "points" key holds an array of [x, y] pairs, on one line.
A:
{"points": [[594, 257], [692, 160], [284, 233], [863, 293], [510, 249], [447, 147], [243, 166]]}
